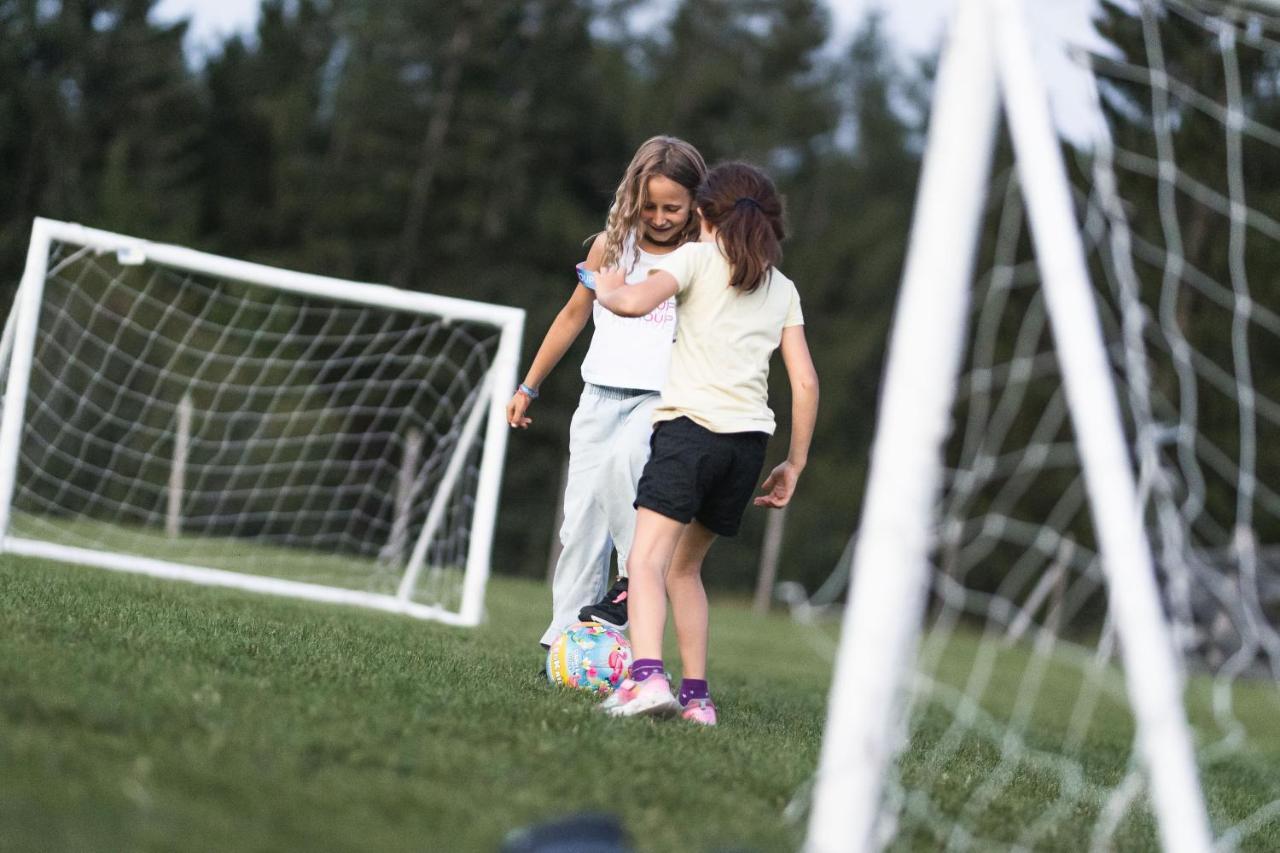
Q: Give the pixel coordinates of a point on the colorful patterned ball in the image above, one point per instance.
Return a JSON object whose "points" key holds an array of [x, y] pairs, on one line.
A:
{"points": [[589, 656]]}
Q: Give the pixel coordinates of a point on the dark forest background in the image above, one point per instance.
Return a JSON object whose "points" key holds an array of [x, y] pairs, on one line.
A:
{"points": [[468, 148]]}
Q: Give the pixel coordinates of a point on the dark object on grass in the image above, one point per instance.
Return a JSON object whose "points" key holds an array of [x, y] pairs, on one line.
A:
{"points": [[581, 833]]}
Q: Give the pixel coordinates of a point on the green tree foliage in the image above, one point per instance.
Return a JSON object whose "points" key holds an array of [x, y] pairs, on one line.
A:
{"points": [[743, 80], [98, 118], [469, 148], [850, 214], [262, 180]]}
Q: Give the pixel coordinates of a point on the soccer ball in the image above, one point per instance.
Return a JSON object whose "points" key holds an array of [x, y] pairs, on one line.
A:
{"points": [[589, 656]]}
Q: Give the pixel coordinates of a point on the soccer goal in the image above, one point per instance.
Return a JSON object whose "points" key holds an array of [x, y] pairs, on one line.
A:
{"points": [[188, 416], [1062, 626]]}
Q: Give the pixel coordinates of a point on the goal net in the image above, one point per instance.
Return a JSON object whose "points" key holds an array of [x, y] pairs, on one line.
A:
{"points": [[194, 417], [1063, 629]]}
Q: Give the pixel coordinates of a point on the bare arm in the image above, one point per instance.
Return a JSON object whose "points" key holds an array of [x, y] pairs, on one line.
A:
{"points": [[564, 330], [635, 300], [780, 485]]}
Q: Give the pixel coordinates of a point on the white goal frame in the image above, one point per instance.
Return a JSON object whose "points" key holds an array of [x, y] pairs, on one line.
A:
{"points": [[488, 422], [987, 62]]}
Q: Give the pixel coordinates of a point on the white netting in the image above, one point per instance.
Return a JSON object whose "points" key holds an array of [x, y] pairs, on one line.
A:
{"points": [[189, 418], [1020, 734]]}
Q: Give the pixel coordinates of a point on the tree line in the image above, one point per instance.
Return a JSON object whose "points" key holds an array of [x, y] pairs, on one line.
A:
{"points": [[470, 147]]}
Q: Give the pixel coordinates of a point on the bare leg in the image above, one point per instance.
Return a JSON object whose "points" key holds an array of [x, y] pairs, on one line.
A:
{"points": [[689, 598], [655, 542]]}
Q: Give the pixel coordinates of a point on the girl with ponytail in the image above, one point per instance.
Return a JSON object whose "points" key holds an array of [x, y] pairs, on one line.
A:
{"points": [[712, 425]]}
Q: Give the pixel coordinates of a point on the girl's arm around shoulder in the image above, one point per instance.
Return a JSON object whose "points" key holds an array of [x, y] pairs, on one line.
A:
{"points": [[780, 485], [634, 300]]}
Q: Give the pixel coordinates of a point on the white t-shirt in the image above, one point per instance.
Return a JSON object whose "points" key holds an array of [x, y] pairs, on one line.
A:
{"points": [[720, 364], [631, 352]]}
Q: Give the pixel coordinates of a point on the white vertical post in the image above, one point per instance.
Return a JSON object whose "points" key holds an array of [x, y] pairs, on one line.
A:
{"points": [[882, 619], [10, 325], [178, 468], [27, 306], [393, 551], [502, 380], [1152, 677], [448, 480]]}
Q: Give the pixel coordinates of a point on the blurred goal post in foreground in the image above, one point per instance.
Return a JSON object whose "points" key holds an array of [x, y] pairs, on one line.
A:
{"points": [[188, 416], [947, 404]]}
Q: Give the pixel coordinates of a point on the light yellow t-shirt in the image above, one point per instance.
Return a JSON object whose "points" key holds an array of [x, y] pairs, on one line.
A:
{"points": [[720, 364]]}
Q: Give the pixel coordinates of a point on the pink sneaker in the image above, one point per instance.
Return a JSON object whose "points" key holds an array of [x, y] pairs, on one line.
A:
{"points": [[700, 711], [651, 697]]}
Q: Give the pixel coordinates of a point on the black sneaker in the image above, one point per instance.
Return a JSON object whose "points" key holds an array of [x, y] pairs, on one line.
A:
{"points": [[610, 610]]}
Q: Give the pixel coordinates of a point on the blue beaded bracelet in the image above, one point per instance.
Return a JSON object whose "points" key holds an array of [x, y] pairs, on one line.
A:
{"points": [[531, 393]]}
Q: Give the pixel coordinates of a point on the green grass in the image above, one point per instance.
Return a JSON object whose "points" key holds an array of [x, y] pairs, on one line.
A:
{"points": [[1029, 796], [138, 714]]}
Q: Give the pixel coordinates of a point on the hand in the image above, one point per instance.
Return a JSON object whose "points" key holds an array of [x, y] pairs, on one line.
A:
{"points": [[515, 411], [608, 280], [779, 486]]}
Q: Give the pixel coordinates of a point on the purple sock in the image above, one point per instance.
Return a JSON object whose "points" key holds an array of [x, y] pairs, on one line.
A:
{"points": [[645, 667], [693, 688]]}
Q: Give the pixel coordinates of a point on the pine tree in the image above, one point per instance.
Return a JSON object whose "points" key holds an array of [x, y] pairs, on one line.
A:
{"points": [[97, 110]]}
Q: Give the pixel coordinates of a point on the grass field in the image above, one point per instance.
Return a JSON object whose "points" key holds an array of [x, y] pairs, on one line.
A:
{"points": [[138, 714]]}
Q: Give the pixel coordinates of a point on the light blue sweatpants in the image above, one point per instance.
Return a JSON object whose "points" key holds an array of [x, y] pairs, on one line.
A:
{"points": [[608, 446]]}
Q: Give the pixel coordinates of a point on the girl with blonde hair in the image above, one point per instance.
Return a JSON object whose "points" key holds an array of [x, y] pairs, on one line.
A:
{"points": [[623, 372]]}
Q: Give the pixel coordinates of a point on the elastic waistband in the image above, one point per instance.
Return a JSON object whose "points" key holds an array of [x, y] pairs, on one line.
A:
{"points": [[611, 393]]}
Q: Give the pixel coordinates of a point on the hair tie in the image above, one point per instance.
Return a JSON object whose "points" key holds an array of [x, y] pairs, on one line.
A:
{"points": [[748, 200]]}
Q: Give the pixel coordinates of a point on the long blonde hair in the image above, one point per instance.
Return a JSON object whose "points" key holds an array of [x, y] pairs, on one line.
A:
{"points": [[661, 155]]}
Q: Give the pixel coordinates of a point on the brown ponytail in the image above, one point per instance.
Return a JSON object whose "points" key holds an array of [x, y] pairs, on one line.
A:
{"points": [[741, 202]]}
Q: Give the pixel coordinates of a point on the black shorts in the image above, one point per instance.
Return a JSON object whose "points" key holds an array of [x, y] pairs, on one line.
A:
{"points": [[693, 472]]}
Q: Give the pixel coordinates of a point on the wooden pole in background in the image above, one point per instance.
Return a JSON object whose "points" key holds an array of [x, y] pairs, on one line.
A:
{"points": [[770, 550]]}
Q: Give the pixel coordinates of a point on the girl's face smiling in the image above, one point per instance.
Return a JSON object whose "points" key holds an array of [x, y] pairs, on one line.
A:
{"points": [[665, 213]]}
